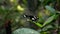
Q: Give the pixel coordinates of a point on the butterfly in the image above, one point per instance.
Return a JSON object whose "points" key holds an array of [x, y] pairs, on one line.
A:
{"points": [[33, 18]]}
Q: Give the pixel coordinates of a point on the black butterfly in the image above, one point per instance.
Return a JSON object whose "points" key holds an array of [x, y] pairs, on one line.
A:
{"points": [[33, 18]]}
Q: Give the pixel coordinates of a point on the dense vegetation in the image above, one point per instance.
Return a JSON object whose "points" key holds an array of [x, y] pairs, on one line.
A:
{"points": [[29, 16]]}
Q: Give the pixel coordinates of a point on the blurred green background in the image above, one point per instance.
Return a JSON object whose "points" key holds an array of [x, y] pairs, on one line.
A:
{"points": [[48, 12]]}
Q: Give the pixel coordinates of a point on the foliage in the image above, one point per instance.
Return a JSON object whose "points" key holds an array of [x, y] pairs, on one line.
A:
{"points": [[48, 16], [24, 31]]}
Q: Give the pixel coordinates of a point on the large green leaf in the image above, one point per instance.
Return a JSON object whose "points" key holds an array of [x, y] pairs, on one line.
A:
{"points": [[47, 27], [49, 20], [25, 31], [52, 10]]}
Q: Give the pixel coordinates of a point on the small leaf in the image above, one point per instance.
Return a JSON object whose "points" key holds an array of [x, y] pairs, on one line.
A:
{"points": [[49, 20]]}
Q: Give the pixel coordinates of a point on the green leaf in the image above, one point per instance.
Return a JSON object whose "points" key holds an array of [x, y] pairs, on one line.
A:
{"points": [[38, 24], [52, 10], [25, 31], [49, 20], [47, 27]]}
